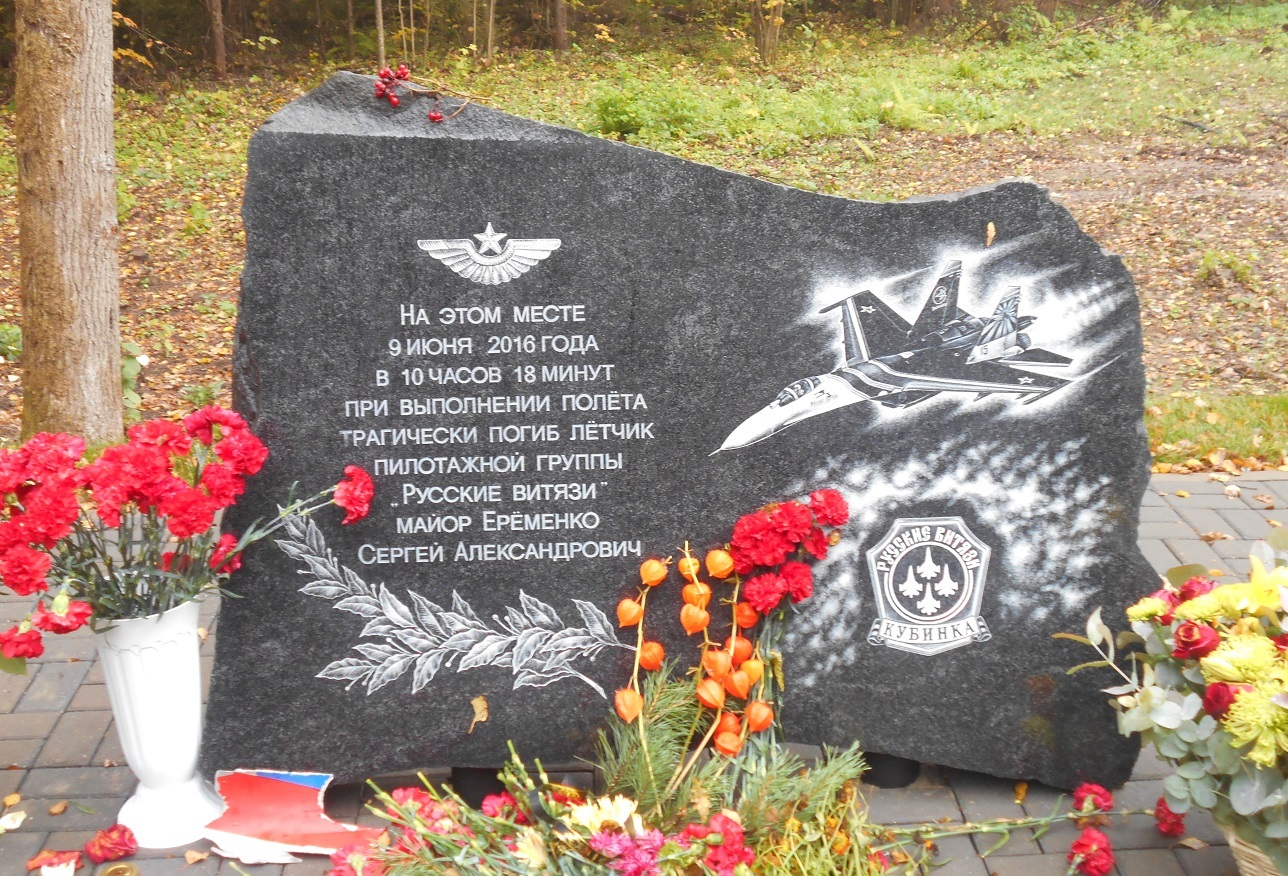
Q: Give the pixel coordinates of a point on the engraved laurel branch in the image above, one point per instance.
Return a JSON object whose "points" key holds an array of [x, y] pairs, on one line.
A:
{"points": [[532, 642]]}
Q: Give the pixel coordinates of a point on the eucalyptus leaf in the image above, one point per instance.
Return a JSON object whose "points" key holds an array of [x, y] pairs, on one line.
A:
{"points": [[1225, 758], [1167, 714], [1194, 769], [1249, 790], [1097, 632], [1277, 830], [1180, 574], [1203, 795], [1177, 787], [1172, 747]]}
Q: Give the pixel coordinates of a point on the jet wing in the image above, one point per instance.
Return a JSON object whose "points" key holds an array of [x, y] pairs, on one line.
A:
{"points": [[1037, 358], [872, 329], [937, 372]]}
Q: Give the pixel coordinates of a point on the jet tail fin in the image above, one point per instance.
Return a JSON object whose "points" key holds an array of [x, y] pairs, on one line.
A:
{"points": [[941, 306], [872, 329]]}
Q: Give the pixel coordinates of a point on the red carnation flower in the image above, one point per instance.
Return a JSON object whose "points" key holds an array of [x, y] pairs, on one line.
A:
{"points": [[201, 424], [224, 484], [798, 580], [764, 592], [13, 470], [354, 493], [16, 642], [816, 543], [23, 570], [793, 520], [1196, 586], [53, 455], [223, 560], [51, 509], [757, 539], [1088, 798], [163, 434], [1220, 696], [1195, 640], [243, 451], [354, 860], [111, 844], [51, 858], [829, 507], [1091, 853], [76, 616], [1169, 823], [188, 512], [742, 564], [504, 805]]}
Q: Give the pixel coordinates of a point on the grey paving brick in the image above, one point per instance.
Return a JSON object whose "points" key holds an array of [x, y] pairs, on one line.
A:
{"points": [[1195, 550], [1216, 500], [27, 725], [227, 868], [75, 739], [954, 856], [1159, 513], [70, 839], [78, 782], [1216, 861], [12, 687], [1150, 766], [16, 848], [1232, 549], [985, 798], [52, 687], [199, 846], [319, 865], [911, 805], [101, 813], [1029, 865], [1252, 524], [1175, 528], [95, 675], [1203, 520], [110, 750], [1193, 484], [18, 752], [89, 698], [1148, 862], [11, 780], [1151, 499], [68, 648], [1158, 554], [175, 865]]}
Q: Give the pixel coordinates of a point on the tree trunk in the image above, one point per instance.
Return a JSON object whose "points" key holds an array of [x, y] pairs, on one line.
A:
{"points": [[349, 28], [380, 35], [491, 25], [561, 26], [71, 357], [217, 34]]}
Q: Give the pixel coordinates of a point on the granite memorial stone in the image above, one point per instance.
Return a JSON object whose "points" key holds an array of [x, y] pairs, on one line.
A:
{"points": [[558, 355]]}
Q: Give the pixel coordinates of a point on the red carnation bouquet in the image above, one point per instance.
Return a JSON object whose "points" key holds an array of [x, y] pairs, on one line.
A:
{"points": [[133, 533]]}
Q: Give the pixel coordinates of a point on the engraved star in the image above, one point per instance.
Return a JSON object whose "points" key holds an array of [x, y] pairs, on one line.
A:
{"points": [[868, 308], [489, 240], [1026, 380]]}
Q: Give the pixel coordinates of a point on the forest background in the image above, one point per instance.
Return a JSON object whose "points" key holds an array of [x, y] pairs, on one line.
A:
{"points": [[1163, 128]]}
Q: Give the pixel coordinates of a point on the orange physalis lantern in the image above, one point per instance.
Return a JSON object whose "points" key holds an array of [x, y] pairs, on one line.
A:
{"points": [[717, 663], [719, 564], [710, 694], [629, 704], [759, 716], [697, 594], [629, 613], [694, 619], [755, 670], [729, 723], [689, 567], [728, 744], [740, 648], [745, 616], [737, 684], [651, 655], [652, 572]]}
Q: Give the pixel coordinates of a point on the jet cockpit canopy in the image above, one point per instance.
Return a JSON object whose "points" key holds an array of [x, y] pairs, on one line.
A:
{"points": [[797, 390]]}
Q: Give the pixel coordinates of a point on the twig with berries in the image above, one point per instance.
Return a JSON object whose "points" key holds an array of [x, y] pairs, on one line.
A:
{"points": [[392, 81]]}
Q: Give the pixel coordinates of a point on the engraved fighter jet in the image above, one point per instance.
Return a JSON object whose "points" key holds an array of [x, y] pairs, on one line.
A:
{"points": [[491, 263], [898, 364]]}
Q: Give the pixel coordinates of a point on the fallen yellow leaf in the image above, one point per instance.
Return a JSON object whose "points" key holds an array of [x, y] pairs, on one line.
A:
{"points": [[12, 800], [1183, 494], [192, 856], [480, 712], [58, 808], [1021, 791], [989, 235]]}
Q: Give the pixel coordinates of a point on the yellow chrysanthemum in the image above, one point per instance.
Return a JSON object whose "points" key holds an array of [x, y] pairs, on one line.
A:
{"points": [[1147, 608], [530, 848], [1241, 660], [1255, 719], [1201, 608]]}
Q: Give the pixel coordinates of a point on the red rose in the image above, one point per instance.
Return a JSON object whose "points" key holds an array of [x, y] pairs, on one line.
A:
{"points": [[829, 508], [1169, 823], [1168, 597], [1091, 854], [223, 560], [163, 434], [111, 844], [223, 484], [1220, 696], [1281, 641], [23, 570], [354, 493], [757, 540], [243, 451], [51, 858], [15, 642], [793, 520], [798, 580], [816, 543], [1092, 798], [764, 592], [76, 616], [1195, 640], [188, 512], [200, 424], [1196, 586]]}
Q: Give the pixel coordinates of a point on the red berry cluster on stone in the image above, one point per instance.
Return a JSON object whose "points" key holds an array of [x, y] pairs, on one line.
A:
{"points": [[387, 87], [436, 114]]}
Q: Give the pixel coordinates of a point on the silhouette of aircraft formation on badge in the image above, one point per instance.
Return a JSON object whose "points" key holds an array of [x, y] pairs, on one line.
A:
{"points": [[898, 364]]}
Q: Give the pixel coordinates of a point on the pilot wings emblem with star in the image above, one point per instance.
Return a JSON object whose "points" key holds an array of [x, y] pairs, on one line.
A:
{"points": [[490, 263]]}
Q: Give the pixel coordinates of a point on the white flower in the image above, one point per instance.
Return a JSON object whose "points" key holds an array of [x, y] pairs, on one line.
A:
{"points": [[530, 848], [594, 815]]}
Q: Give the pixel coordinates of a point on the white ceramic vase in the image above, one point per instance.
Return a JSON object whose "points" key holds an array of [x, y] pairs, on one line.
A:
{"points": [[153, 671]]}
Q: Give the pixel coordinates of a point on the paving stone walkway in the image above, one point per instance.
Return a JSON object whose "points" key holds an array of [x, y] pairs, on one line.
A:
{"points": [[57, 741]]}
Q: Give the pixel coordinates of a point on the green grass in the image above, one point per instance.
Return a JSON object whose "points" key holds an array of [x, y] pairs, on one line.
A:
{"points": [[1185, 427]]}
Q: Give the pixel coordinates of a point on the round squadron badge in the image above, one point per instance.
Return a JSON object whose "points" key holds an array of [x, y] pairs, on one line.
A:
{"points": [[928, 579]]}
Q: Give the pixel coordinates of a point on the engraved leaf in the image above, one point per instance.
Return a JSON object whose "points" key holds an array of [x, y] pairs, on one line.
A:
{"points": [[427, 613], [394, 609], [378, 652], [367, 606], [465, 640], [416, 638], [596, 621], [541, 614], [292, 549], [461, 607], [574, 640], [356, 584], [518, 620], [379, 627], [541, 679], [313, 538], [350, 669], [485, 652], [426, 667], [389, 671], [318, 567], [529, 643], [325, 589]]}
